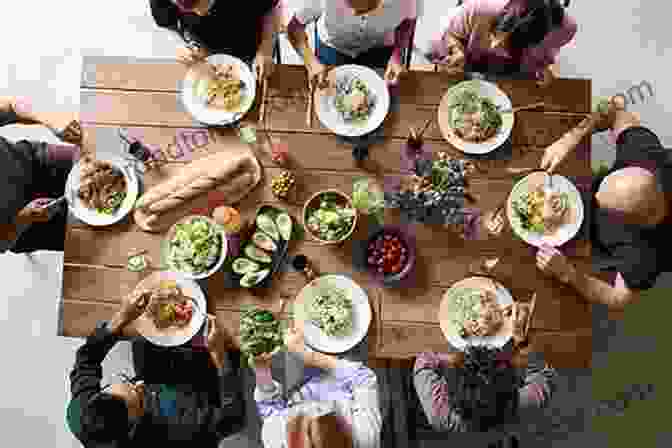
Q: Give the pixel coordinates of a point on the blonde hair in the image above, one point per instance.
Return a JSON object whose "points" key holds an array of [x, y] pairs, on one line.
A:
{"points": [[324, 431]]}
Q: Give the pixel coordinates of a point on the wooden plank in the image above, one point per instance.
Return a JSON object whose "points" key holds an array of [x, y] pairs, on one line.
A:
{"points": [[561, 349], [387, 156], [418, 86], [131, 108]]}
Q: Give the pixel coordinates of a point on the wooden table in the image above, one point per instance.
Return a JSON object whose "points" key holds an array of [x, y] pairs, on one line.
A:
{"points": [[143, 95]]}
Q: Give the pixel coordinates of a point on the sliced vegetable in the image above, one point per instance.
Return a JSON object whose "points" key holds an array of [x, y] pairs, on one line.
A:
{"points": [[266, 224], [254, 278], [137, 263], [284, 223], [263, 241], [244, 266], [257, 254]]}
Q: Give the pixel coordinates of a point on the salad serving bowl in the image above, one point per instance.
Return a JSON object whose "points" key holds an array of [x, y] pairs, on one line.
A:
{"points": [[177, 259], [313, 205]]}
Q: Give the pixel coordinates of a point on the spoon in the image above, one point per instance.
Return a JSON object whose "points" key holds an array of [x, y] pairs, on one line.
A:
{"points": [[516, 109]]}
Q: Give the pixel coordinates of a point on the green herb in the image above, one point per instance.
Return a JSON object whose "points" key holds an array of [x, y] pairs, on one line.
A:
{"points": [[260, 332], [331, 221], [113, 203], [469, 102]]}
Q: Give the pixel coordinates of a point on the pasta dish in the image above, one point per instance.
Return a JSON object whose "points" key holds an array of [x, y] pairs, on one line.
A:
{"points": [[475, 312], [541, 212], [331, 310], [353, 101], [169, 307], [224, 89], [102, 187], [474, 118]]}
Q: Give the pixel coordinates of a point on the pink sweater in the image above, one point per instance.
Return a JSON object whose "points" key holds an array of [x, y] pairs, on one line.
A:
{"points": [[471, 24]]}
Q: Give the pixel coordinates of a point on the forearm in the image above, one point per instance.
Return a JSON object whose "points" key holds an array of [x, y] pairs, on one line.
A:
{"points": [[87, 373], [320, 360], [402, 38], [573, 137], [270, 25], [595, 290], [20, 108], [296, 33]]}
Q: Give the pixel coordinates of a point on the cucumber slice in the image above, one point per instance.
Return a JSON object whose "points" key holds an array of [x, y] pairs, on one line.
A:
{"points": [[265, 224], [284, 223], [254, 278], [263, 241], [137, 263], [257, 254], [244, 266]]}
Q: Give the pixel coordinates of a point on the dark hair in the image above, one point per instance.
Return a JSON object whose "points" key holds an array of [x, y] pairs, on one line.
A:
{"points": [[105, 418], [530, 26], [486, 393]]}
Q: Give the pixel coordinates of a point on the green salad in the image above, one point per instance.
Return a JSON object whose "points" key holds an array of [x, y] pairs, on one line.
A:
{"points": [[331, 221], [113, 203], [331, 310], [260, 332], [353, 100], [196, 246], [464, 106], [464, 306]]}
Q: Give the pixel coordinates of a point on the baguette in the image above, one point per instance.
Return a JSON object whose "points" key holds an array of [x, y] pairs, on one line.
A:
{"points": [[159, 222]]}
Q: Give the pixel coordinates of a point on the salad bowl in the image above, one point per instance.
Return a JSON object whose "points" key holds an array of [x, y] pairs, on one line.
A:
{"points": [[185, 249], [329, 217]]}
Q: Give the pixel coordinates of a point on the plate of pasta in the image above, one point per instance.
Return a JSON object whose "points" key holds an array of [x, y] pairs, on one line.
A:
{"points": [[175, 312], [470, 117], [539, 215], [476, 311], [220, 90]]}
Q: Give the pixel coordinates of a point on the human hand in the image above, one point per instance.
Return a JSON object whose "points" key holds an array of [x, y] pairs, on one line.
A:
{"points": [[317, 74], [190, 56], [32, 213], [133, 305], [552, 262], [294, 341], [71, 133], [394, 71], [519, 358], [547, 77], [453, 359], [262, 361], [218, 340], [554, 155], [480, 227], [263, 65], [453, 62]]}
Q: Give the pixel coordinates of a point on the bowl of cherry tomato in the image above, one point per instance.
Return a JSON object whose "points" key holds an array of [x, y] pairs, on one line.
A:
{"points": [[390, 255]]}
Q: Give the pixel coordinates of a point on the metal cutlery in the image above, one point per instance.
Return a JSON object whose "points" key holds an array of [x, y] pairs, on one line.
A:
{"points": [[519, 108]]}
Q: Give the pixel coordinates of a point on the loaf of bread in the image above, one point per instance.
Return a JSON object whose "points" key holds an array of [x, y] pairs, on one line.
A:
{"points": [[164, 204]]}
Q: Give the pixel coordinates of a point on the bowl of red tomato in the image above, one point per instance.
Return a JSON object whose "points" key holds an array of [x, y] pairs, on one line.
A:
{"points": [[390, 254]]}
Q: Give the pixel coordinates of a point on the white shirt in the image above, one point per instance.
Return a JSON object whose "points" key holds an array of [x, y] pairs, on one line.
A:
{"points": [[361, 408], [352, 35]]}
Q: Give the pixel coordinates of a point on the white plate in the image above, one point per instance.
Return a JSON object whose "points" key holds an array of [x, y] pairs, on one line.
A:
{"points": [[361, 316], [329, 116], [173, 337], [90, 216], [197, 106], [504, 298], [223, 250], [566, 231], [482, 88]]}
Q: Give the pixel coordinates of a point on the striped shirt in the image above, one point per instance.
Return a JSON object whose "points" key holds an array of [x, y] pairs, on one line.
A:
{"points": [[470, 24], [340, 28], [350, 390], [434, 395]]}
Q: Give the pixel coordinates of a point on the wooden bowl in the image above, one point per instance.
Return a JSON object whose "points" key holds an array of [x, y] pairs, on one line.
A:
{"points": [[312, 204]]}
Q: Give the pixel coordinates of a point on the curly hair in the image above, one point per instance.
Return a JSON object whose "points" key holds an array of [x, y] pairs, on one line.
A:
{"points": [[105, 419], [529, 27], [486, 394]]}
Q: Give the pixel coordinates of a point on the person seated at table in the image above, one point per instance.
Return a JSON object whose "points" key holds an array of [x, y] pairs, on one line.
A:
{"points": [[372, 33], [33, 172], [630, 215], [246, 30], [504, 37], [630, 211], [338, 408], [181, 400], [480, 389]]}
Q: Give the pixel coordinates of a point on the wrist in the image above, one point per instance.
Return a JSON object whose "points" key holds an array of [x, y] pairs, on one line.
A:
{"points": [[570, 277], [117, 324]]}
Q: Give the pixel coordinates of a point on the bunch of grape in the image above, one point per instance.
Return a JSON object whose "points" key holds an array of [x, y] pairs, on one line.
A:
{"points": [[282, 184], [440, 203]]}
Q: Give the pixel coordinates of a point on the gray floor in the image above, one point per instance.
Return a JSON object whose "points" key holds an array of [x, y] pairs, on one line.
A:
{"points": [[43, 43]]}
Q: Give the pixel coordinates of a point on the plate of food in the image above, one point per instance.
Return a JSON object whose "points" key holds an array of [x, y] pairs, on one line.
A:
{"points": [[195, 246], [264, 248], [334, 312], [175, 312], [220, 90], [329, 217], [541, 215], [101, 192], [355, 102], [470, 117], [476, 311]]}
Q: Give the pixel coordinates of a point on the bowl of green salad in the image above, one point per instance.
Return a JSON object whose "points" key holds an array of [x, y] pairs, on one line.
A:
{"points": [[329, 217], [195, 247]]}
